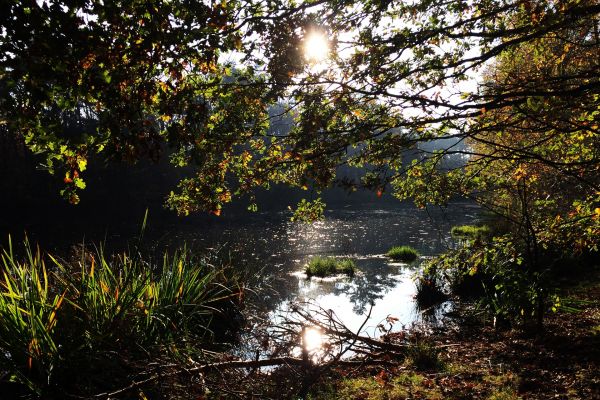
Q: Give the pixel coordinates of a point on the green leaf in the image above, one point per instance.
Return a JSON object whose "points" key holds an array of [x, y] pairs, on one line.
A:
{"points": [[79, 183]]}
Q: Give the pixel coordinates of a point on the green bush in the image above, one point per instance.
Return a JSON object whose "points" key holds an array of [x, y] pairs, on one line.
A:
{"points": [[470, 232], [403, 253], [100, 315], [460, 272], [327, 266], [497, 276]]}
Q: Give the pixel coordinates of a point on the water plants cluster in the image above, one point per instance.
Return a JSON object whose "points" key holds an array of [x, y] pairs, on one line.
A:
{"points": [[403, 253], [102, 315], [325, 266], [470, 231]]}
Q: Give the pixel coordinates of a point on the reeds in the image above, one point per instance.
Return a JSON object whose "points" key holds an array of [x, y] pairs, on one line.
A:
{"points": [[327, 266], [403, 253], [55, 315]]}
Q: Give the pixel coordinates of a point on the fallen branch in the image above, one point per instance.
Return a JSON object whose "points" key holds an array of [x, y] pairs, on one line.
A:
{"points": [[344, 332], [235, 364]]}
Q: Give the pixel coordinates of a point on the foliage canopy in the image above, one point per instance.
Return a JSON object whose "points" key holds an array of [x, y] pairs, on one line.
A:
{"points": [[515, 84]]}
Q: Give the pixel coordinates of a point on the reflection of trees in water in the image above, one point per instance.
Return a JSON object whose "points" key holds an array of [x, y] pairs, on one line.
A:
{"points": [[364, 289], [435, 314], [267, 248]]}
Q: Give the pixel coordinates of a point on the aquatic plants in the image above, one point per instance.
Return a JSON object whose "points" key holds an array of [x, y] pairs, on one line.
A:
{"points": [[325, 266], [470, 232], [403, 253], [102, 314], [497, 277], [429, 288]]}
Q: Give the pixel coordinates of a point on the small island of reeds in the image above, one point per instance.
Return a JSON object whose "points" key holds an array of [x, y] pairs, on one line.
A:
{"points": [[470, 232], [403, 253], [327, 266]]}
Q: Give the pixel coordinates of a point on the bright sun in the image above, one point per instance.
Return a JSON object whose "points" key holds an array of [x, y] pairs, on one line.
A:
{"points": [[316, 47]]}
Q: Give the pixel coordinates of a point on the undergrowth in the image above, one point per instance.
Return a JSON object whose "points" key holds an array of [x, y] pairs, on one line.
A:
{"points": [[98, 317]]}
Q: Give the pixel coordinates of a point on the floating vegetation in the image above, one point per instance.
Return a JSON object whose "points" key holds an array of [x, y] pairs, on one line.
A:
{"points": [[470, 232], [403, 253], [326, 266]]}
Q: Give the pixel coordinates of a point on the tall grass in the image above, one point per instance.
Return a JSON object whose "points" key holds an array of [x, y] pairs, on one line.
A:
{"points": [[29, 313], [60, 319], [326, 266], [403, 253], [470, 232]]}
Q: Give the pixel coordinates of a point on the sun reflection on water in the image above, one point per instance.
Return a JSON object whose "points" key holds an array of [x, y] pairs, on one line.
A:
{"points": [[312, 339]]}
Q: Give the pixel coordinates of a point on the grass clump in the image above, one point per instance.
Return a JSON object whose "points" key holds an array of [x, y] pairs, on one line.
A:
{"points": [[403, 253], [101, 318], [327, 266], [424, 356], [470, 232]]}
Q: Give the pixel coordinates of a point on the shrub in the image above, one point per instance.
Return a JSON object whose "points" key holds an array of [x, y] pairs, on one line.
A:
{"points": [[403, 253], [460, 271], [327, 266], [496, 275]]}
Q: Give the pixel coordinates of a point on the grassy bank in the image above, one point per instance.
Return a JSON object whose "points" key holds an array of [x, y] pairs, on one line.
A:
{"points": [[103, 319], [101, 323]]}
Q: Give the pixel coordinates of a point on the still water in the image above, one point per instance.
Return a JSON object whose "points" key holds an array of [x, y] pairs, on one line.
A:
{"points": [[280, 249]]}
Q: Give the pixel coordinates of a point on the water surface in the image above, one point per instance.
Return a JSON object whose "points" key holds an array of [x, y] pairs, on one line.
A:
{"points": [[280, 249]]}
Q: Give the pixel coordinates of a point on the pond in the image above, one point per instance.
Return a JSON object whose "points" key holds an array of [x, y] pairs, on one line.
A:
{"points": [[269, 242]]}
